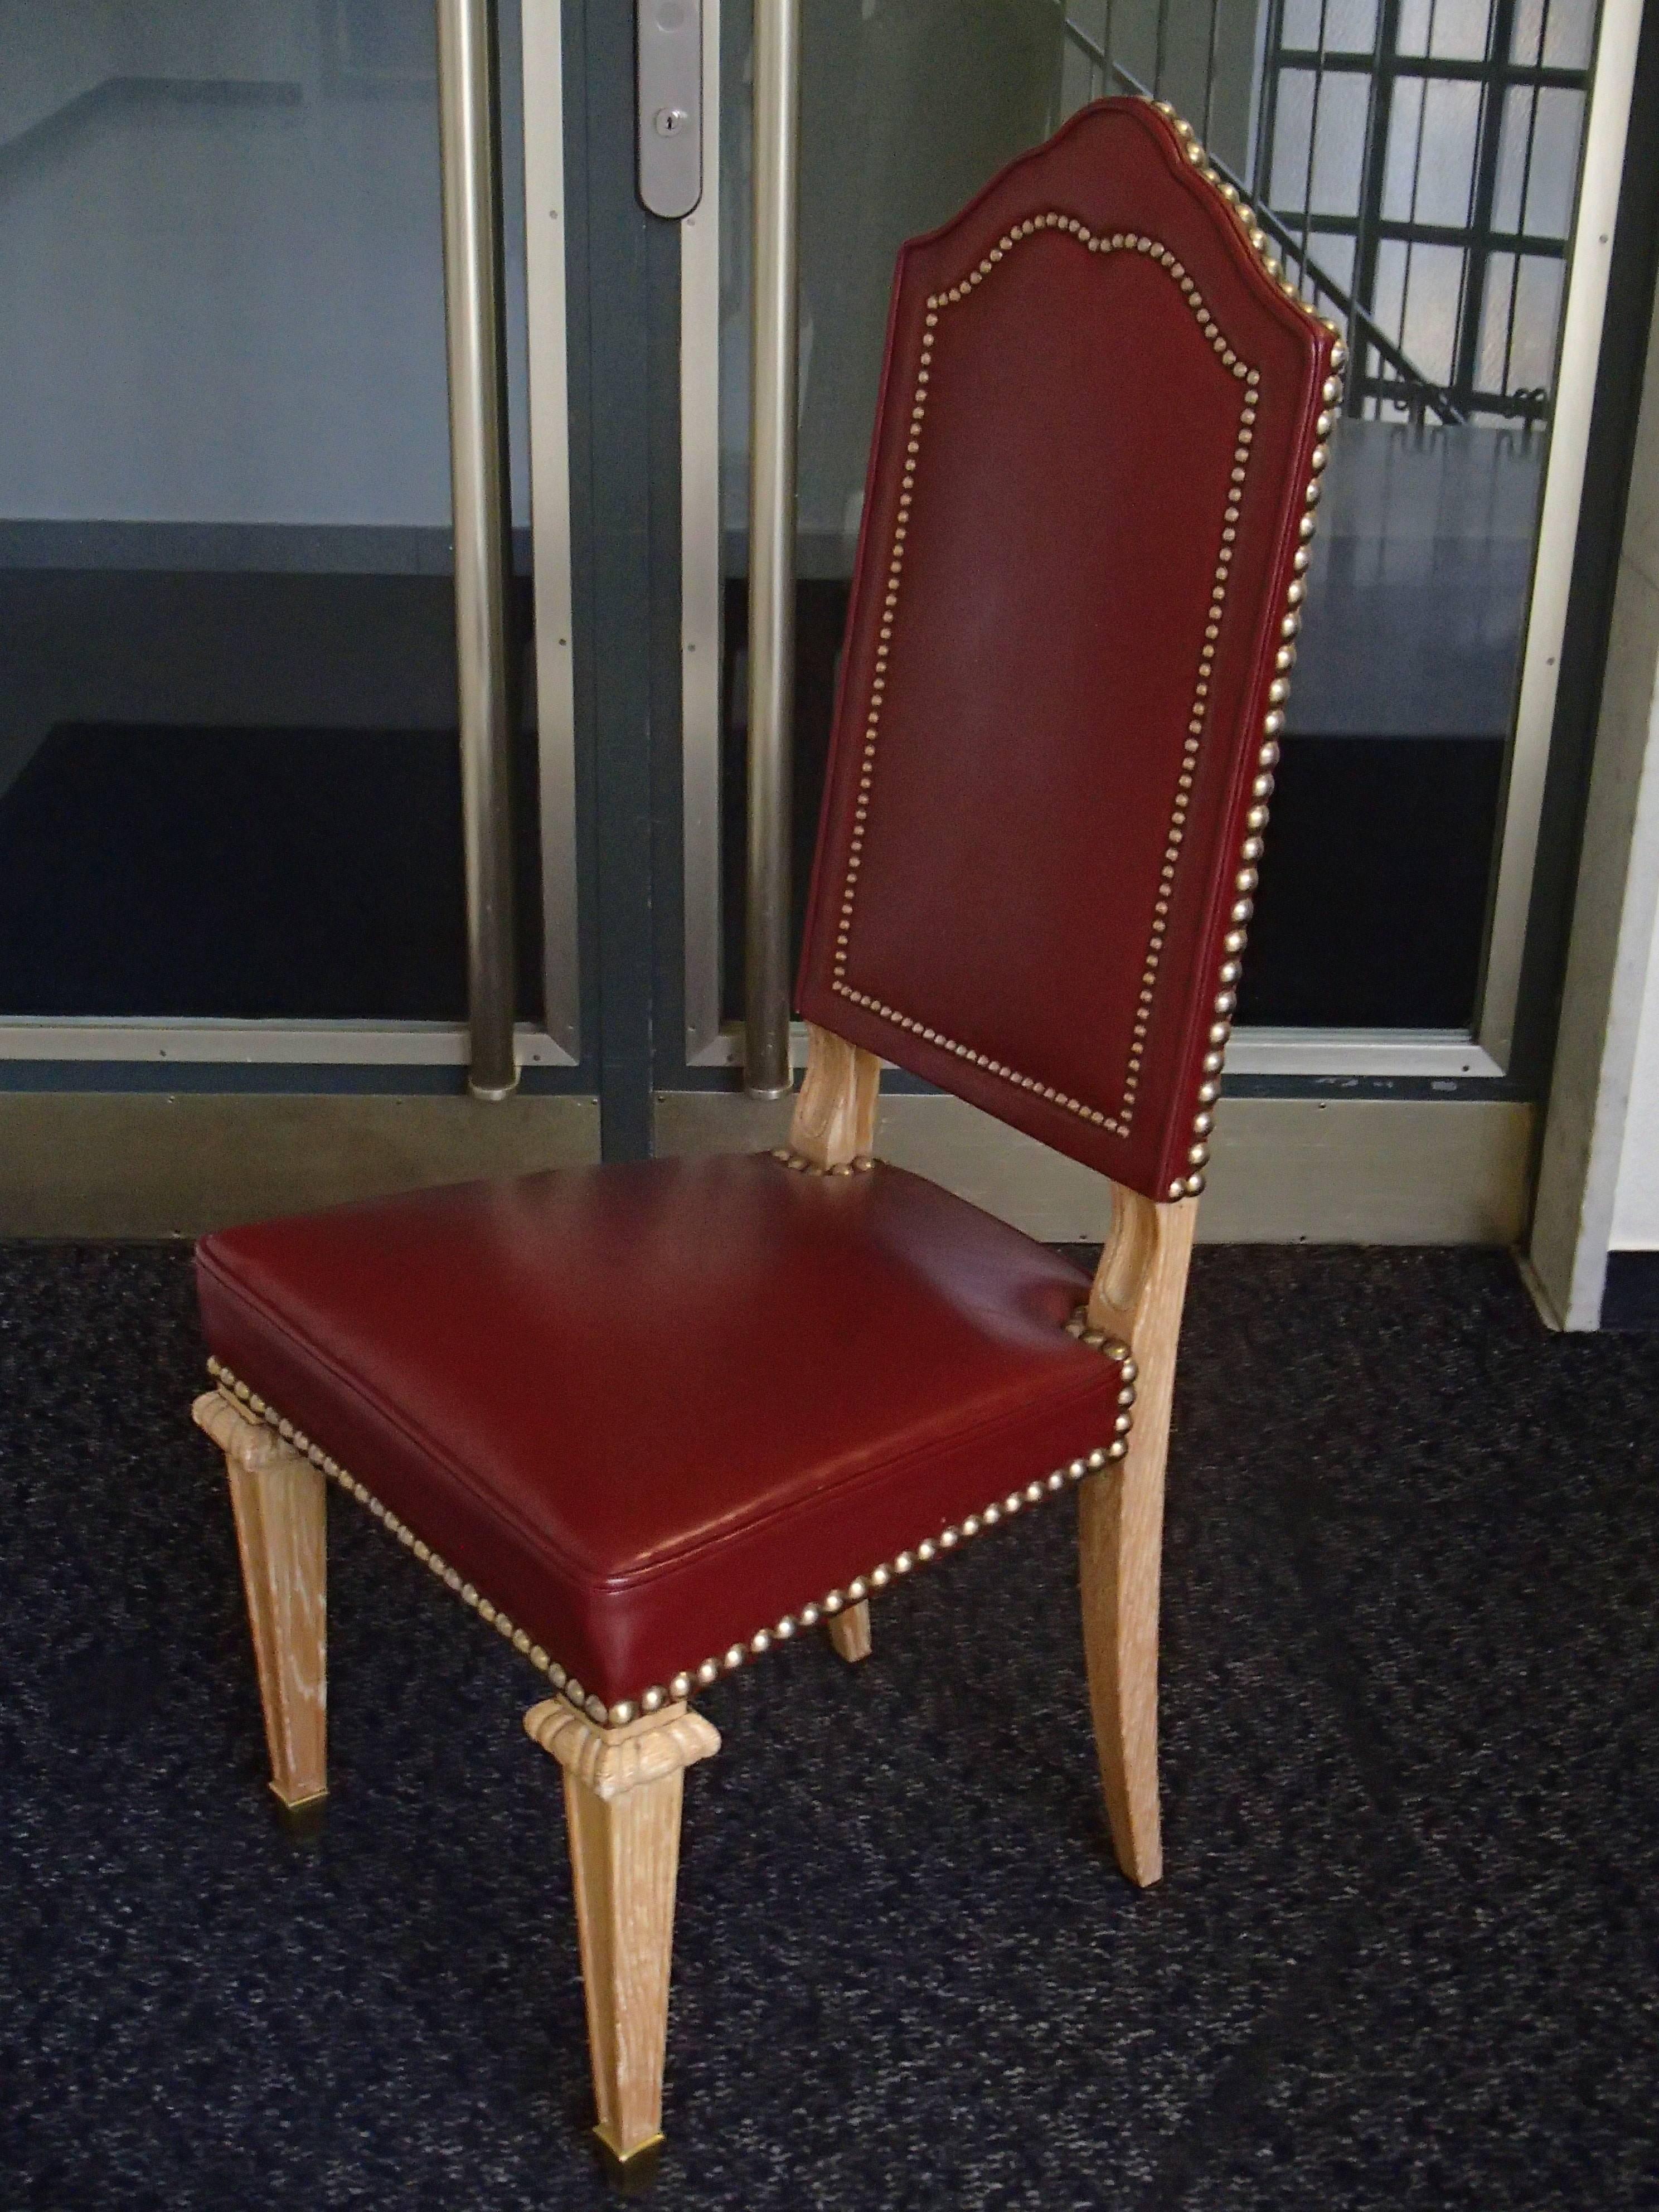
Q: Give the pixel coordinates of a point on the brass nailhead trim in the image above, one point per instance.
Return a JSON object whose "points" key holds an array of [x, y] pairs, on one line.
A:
{"points": [[834, 1602], [801, 1165], [1188, 1185], [1255, 821], [1261, 244], [1120, 1122]]}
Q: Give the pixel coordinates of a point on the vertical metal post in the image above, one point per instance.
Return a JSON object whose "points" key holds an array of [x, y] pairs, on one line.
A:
{"points": [[469, 139], [546, 220], [772, 544], [701, 588]]}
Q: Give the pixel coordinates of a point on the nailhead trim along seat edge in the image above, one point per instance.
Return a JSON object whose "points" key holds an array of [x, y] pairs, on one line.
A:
{"points": [[249, 1403]]}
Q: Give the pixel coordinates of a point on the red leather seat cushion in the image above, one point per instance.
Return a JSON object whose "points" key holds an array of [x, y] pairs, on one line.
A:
{"points": [[650, 1410]]}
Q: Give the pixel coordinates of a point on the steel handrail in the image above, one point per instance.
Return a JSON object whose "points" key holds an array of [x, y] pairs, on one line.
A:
{"points": [[1413, 387], [469, 143], [773, 362]]}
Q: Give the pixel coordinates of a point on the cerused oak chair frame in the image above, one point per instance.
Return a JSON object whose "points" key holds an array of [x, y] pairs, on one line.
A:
{"points": [[623, 1763]]}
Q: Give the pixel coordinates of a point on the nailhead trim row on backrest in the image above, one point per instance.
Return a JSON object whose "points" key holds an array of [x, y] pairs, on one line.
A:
{"points": [[1225, 1000], [834, 967], [1120, 1119]]}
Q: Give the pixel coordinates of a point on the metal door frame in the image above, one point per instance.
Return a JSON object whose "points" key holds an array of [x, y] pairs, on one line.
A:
{"points": [[1485, 1050]]}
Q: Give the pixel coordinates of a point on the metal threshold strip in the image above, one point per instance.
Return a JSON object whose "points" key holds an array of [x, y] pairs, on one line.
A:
{"points": [[1450, 1055], [211, 1042]]}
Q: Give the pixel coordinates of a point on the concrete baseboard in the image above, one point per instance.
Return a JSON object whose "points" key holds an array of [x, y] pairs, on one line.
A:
{"points": [[151, 1164], [1283, 1171]]}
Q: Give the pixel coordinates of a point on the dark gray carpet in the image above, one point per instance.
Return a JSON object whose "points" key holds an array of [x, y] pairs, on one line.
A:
{"points": [[1407, 1954]]}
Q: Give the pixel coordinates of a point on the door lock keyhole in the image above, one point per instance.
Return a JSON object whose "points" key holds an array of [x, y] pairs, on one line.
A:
{"points": [[668, 127]]}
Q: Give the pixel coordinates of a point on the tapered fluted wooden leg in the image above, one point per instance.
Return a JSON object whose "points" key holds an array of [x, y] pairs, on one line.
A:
{"points": [[623, 1788], [281, 1533], [849, 1631], [1137, 1300]]}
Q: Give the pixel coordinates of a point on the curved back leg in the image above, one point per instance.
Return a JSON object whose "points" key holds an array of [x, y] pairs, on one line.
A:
{"points": [[1138, 1295]]}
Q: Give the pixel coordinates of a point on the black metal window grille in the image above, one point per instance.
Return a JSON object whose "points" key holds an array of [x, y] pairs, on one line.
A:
{"points": [[1416, 162]]}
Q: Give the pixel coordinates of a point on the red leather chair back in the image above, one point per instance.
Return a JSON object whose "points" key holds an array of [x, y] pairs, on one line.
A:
{"points": [[1097, 449]]}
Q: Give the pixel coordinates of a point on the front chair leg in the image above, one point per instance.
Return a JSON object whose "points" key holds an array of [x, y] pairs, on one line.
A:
{"points": [[281, 1505], [622, 1788], [1137, 1297]]}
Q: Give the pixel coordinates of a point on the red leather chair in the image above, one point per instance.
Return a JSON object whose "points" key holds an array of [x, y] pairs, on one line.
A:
{"points": [[648, 1420]]}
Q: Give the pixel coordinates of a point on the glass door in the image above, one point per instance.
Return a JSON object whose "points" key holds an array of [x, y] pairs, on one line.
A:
{"points": [[230, 800], [1439, 177]]}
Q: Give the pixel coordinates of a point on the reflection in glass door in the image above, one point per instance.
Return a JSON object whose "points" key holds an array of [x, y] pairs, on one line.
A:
{"points": [[1417, 164], [228, 779]]}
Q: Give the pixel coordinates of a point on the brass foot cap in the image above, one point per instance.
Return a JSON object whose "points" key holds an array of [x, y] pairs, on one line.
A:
{"points": [[303, 1817], [635, 2173]]}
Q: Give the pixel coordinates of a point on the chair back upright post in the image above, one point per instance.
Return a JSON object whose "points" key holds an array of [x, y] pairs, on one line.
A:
{"points": [[835, 1117], [834, 1126]]}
